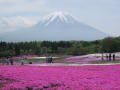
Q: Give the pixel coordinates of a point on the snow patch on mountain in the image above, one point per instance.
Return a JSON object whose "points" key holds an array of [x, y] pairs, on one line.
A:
{"points": [[58, 17]]}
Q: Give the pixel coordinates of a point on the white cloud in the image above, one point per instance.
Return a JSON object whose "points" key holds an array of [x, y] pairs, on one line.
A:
{"points": [[13, 13], [8, 24], [18, 21]]}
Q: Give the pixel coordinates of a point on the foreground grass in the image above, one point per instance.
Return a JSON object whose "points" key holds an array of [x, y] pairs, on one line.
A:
{"points": [[105, 62]]}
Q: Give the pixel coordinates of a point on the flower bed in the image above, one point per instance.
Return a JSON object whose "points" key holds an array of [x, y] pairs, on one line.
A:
{"points": [[60, 78]]}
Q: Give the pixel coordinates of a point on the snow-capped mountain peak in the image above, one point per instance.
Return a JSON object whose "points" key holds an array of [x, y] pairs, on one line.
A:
{"points": [[54, 15], [58, 17]]}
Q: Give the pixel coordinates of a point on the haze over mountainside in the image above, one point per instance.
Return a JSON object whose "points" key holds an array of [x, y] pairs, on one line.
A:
{"points": [[56, 26]]}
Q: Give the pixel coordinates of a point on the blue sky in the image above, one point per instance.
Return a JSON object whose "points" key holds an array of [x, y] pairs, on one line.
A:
{"points": [[101, 14]]}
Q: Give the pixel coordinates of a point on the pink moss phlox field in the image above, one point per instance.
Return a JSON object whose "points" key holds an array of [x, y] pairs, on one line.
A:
{"points": [[60, 77]]}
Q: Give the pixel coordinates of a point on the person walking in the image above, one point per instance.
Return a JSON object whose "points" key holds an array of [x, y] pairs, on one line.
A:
{"points": [[11, 61], [7, 61], [113, 57], [51, 59], [22, 62], [110, 57], [106, 56]]}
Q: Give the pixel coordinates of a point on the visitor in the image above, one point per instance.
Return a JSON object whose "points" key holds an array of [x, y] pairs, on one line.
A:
{"points": [[7, 61], [110, 56], [22, 62], [51, 59], [106, 56], [113, 57], [11, 61], [30, 62]]}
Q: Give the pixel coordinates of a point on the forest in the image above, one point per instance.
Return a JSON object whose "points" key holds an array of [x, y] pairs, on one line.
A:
{"points": [[40, 48]]}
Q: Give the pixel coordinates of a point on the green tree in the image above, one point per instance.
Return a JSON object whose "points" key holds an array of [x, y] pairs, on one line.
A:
{"points": [[109, 45], [78, 49]]}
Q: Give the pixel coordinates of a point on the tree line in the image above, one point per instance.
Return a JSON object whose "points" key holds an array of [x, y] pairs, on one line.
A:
{"points": [[107, 45]]}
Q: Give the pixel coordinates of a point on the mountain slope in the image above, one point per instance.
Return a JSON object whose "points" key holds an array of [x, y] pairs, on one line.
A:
{"points": [[56, 26]]}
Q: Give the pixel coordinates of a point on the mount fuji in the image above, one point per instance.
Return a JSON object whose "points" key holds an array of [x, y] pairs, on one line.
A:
{"points": [[56, 26]]}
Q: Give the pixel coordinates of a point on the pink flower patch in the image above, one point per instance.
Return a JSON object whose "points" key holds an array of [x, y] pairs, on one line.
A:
{"points": [[60, 77]]}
